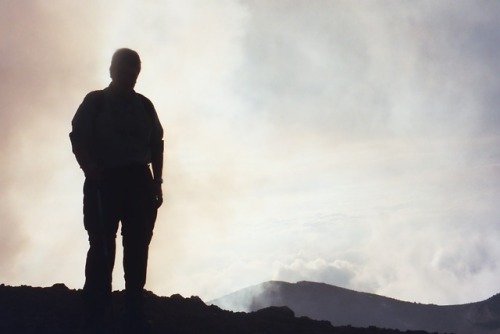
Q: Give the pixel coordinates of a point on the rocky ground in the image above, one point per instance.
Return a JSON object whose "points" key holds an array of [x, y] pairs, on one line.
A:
{"points": [[57, 310]]}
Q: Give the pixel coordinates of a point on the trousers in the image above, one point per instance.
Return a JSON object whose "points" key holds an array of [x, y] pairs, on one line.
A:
{"points": [[126, 195]]}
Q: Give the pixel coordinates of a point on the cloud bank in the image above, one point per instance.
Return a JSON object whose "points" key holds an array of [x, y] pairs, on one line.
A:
{"points": [[353, 144]]}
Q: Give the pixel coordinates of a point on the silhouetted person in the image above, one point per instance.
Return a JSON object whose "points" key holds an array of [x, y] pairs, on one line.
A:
{"points": [[116, 135]]}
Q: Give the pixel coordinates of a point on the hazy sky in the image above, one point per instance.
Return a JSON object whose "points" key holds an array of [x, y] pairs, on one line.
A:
{"points": [[349, 142]]}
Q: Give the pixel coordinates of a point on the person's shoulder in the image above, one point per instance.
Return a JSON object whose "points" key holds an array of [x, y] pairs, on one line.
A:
{"points": [[91, 103], [146, 100], [94, 96], [143, 97]]}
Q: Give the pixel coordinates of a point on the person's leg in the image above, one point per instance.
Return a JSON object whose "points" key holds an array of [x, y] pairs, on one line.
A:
{"points": [[101, 216], [135, 257], [137, 230]]}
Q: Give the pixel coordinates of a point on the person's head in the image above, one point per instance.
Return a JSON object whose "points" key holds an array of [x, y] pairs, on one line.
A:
{"points": [[125, 68]]}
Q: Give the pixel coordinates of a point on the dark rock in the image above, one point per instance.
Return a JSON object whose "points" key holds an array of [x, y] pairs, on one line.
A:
{"points": [[58, 309]]}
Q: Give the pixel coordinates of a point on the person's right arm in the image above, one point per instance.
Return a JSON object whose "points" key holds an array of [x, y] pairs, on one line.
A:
{"points": [[82, 133]]}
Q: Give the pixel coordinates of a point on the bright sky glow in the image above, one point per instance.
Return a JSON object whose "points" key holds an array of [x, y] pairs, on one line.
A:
{"points": [[351, 143]]}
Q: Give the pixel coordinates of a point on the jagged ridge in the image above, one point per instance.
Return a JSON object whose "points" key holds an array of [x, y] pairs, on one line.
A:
{"points": [[58, 310]]}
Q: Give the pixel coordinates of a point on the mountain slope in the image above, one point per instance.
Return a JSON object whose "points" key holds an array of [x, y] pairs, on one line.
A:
{"points": [[344, 307], [57, 310]]}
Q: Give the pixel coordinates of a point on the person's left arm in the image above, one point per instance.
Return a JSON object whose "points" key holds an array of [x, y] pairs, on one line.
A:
{"points": [[157, 149]]}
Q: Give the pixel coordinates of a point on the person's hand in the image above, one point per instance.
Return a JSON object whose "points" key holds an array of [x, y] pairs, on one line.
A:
{"points": [[92, 172], [158, 193]]}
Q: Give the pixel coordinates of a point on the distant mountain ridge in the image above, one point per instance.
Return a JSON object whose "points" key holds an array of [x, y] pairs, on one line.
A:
{"points": [[343, 307]]}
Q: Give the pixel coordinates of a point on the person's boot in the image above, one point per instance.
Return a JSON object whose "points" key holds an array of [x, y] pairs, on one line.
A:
{"points": [[97, 315], [135, 320]]}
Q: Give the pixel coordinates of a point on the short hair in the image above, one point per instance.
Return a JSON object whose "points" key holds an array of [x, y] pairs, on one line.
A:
{"points": [[125, 56]]}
